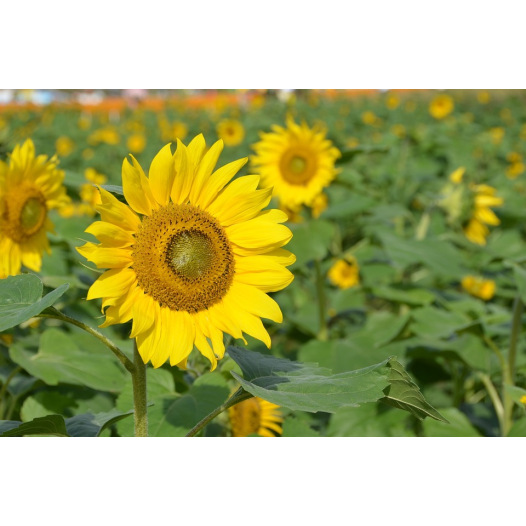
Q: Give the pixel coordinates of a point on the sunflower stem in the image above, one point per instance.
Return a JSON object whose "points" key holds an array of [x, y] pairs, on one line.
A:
{"points": [[320, 288], [51, 312], [139, 394], [239, 396]]}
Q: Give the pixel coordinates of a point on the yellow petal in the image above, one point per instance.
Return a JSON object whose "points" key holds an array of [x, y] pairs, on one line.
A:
{"points": [[262, 272], [112, 283], [255, 301], [110, 235], [162, 175], [217, 181], [106, 257], [136, 188], [143, 314], [117, 213], [205, 169], [184, 328]]}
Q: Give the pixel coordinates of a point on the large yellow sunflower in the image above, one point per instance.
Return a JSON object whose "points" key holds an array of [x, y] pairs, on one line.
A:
{"points": [[190, 257], [297, 161], [30, 186], [255, 416]]}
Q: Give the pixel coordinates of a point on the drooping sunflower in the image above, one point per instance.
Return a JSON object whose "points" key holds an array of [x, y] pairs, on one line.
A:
{"points": [[30, 186], [484, 197], [297, 161], [255, 416], [231, 131], [479, 287], [191, 256], [469, 205]]}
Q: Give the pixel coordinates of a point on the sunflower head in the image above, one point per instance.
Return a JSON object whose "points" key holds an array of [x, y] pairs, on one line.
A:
{"points": [[297, 161], [441, 106], [191, 256], [231, 131], [30, 186], [345, 273], [255, 416]]}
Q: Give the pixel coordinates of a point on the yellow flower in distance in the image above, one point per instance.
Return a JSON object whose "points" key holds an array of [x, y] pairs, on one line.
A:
{"points": [[514, 170], [136, 142], [231, 132], [369, 118], [191, 256], [483, 97], [255, 416], [297, 161], [441, 106], [30, 186], [484, 198], [497, 134], [64, 146], [478, 287], [392, 101], [456, 176], [345, 273]]}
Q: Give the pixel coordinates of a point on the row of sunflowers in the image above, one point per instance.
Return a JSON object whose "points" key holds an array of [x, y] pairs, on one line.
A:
{"points": [[319, 229]]}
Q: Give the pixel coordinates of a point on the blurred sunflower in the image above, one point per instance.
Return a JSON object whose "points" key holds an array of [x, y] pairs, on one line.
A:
{"points": [[345, 273], [297, 161], [441, 106], [497, 134], [64, 146], [231, 132], [89, 194], [255, 416], [470, 206], [30, 186], [136, 142], [483, 199], [191, 256], [478, 287], [483, 97]]}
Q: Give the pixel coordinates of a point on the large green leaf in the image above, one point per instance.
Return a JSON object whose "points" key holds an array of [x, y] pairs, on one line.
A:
{"points": [[61, 360], [48, 425], [85, 425], [405, 394], [21, 299]]}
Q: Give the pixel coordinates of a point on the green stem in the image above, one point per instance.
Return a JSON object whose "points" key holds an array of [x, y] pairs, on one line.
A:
{"points": [[57, 315], [494, 396], [139, 394], [237, 397], [515, 331], [320, 288]]}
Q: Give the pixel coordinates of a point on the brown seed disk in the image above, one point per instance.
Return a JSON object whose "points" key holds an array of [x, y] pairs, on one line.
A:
{"points": [[183, 259]]}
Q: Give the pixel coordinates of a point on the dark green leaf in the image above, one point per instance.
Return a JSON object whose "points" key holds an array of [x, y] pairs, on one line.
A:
{"points": [[47, 425], [21, 299]]}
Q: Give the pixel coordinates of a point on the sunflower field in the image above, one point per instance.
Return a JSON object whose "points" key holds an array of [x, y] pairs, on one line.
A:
{"points": [[296, 263]]}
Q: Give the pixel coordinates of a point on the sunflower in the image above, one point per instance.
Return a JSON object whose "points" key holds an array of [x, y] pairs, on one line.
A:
{"points": [[297, 161], [30, 186], [190, 257], [345, 273], [478, 287], [231, 131], [483, 198], [255, 416], [441, 106], [469, 205]]}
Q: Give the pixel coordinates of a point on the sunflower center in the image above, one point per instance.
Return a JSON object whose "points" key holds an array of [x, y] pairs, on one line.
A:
{"points": [[23, 213], [190, 253], [183, 259], [297, 166]]}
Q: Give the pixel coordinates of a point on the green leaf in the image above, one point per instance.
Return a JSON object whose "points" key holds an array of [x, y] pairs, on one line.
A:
{"points": [[47, 425], [458, 426], [348, 155], [307, 387], [405, 394], [61, 360], [21, 299], [90, 425], [114, 189], [431, 322]]}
